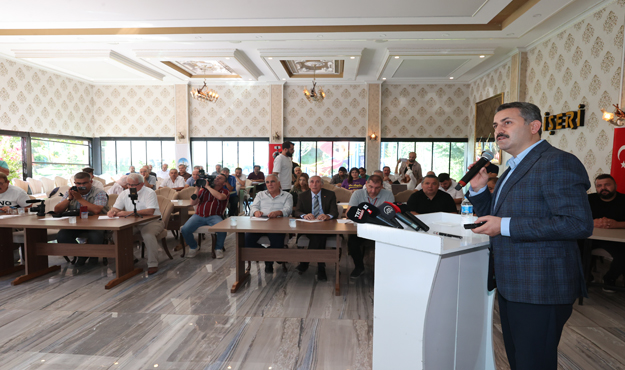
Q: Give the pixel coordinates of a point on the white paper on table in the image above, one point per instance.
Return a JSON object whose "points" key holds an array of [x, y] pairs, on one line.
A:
{"points": [[8, 216], [53, 218], [304, 220], [259, 218], [107, 218], [344, 221]]}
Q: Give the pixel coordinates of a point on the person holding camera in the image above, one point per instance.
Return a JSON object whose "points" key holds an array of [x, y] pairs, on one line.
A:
{"points": [[83, 194], [211, 202], [147, 205]]}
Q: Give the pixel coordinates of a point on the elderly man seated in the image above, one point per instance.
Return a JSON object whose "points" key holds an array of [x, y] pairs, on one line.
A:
{"points": [[270, 203], [164, 172], [174, 181], [195, 174], [147, 205], [119, 186], [87, 195], [148, 180]]}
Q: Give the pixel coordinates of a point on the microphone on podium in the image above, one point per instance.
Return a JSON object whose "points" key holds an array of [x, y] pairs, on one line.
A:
{"points": [[387, 210], [368, 213], [485, 159]]}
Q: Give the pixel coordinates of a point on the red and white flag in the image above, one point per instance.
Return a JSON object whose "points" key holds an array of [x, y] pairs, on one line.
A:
{"points": [[618, 158]]}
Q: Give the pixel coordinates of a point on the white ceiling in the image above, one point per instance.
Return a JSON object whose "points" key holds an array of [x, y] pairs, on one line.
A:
{"points": [[125, 42]]}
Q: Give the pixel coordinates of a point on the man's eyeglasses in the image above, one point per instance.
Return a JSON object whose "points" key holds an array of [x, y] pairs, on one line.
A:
{"points": [[132, 185], [81, 183]]}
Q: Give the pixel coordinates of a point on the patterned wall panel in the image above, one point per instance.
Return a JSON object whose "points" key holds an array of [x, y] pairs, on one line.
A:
{"points": [[241, 111], [433, 110], [343, 113], [35, 100], [138, 110], [581, 64]]}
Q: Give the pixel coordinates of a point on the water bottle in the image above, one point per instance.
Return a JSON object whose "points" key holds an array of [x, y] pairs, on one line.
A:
{"points": [[466, 208]]}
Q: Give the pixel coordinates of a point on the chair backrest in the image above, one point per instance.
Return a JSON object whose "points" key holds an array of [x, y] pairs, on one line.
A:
{"points": [[185, 193], [20, 184], [112, 200], [60, 181], [342, 195], [106, 188], [35, 185], [99, 179], [158, 182], [52, 202], [328, 186], [47, 183], [62, 190], [326, 179], [168, 193], [402, 197], [166, 207]]}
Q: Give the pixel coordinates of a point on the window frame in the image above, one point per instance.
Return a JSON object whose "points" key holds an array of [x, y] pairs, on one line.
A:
{"points": [[222, 139], [131, 139], [349, 140], [426, 140]]}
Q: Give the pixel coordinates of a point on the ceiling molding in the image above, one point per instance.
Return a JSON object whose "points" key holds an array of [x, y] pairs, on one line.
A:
{"points": [[273, 58]]}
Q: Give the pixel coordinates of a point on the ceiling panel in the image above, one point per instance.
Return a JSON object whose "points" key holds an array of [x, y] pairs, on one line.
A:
{"points": [[428, 68]]}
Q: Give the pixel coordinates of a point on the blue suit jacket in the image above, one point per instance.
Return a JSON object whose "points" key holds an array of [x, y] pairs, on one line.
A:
{"points": [[546, 199]]}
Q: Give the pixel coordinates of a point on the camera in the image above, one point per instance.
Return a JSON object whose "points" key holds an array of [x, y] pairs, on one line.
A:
{"points": [[205, 179], [40, 209], [133, 195], [74, 188]]}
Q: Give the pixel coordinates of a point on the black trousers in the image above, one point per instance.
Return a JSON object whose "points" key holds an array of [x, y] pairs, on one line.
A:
{"points": [[617, 251], [233, 206], [275, 241], [317, 241], [69, 236], [356, 249], [531, 333]]}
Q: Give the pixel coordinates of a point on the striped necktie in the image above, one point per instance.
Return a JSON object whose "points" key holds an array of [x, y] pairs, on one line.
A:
{"points": [[316, 205]]}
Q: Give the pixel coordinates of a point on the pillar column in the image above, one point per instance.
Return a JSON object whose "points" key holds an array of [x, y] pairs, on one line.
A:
{"points": [[374, 125], [518, 77], [277, 114], [183, 147]]}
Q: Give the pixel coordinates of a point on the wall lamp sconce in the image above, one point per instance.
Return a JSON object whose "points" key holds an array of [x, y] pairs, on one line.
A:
{"points": [[617, 118], [276, 136], [180, 135], [373, 137]]}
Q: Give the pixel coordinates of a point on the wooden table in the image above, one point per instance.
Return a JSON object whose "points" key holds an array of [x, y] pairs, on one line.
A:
{"points": [[37, 249], [177, 221], [281, 225], [612, 235]]}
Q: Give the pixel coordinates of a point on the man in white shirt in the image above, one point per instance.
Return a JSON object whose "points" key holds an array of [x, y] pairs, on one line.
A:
{"points": [[147, 205], [95, 183], [164, 172], [385, 182], [174, 181], [217, 170], [283, 165], [11, 196], [449, 186], [270, 203], [240, 177]]}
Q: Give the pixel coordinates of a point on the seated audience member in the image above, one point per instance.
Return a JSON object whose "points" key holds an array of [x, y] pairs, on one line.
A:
{"points": [[373, 193], [182, 171], [257, 175], [492, 170], [608, 212], [148, 180], [131, 169], [296, 172], [96, 201], [119, 186], [316, 203], [353, 182], [449, 186], [11, 196], [362, 172], [147, 205], [386, 184], [217, 170], [301, 185], [420, 186], [339, 177], [492, 182], [194, 176], [211, 203], [231, 185], [96, 183], [271, 203], [431, 199], [163, 173], [4, 168], [152, 173], [240, 177], [388, 175], [173, 181]]}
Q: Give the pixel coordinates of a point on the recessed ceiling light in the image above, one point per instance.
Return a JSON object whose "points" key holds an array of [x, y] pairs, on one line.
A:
{"points": [[227, 58], [319, 35], [235, 42], [396, 57], [537, 15], [510, 34], [352, 57], [384, 78], [482, 56], [250, 79], [270, 58], [259, 37], [382, 35], [284, 79], [445, 34], [451, 78]]}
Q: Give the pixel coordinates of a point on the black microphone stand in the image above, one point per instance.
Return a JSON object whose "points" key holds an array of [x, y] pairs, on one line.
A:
{"points": [[135, 213]]}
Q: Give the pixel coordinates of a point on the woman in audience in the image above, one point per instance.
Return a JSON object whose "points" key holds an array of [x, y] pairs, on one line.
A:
{"points": [[354, 182], [119, 186], [301, 185]]}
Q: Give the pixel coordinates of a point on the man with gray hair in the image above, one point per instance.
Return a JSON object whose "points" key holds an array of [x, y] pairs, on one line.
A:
{"points": [[149, 180], [147, 205]]}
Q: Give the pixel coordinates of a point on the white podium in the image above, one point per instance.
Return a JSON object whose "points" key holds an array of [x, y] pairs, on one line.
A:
{"points": [[432, 309]]}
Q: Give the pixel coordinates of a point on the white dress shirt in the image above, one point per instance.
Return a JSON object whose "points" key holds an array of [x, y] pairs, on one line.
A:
{"points": [[179, 183], [265, 203], [146, 200]]}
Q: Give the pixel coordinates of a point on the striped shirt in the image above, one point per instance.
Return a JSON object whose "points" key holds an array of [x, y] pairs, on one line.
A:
{"points": [[209, 205]]}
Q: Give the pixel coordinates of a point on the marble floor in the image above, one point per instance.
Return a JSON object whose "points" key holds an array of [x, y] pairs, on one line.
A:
{"points": [[184, 317]]}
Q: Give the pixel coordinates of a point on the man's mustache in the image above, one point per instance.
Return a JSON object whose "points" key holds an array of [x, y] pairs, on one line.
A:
{"points": [[503, 135]]}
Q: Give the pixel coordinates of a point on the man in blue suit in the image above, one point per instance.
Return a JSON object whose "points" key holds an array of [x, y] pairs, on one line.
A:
{"points": [[534, 217]]}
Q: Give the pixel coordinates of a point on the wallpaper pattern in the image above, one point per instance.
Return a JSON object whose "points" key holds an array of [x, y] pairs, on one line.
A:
{"points": [[433, 110], [343, 113], [581, 65], [35, 100], [240, 111]]}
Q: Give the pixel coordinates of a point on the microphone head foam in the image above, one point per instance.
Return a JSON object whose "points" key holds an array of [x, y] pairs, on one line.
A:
{"points": [[487, 154]]}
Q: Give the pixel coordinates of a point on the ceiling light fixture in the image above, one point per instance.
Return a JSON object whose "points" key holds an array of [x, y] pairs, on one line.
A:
{"points": [[482, 56], [384, 78], [352, 57], [396, 57], [270, 58], [313, 95], [617, 118], [204, 93], [451, 78]]}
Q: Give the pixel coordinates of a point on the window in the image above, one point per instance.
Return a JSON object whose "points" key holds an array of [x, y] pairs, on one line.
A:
{"points": [[11, 153], [59, 157], [438, 156], [325, 157], [118, 154], [230, 154]]}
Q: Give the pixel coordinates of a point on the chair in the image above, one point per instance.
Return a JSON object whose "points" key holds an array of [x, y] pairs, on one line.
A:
{"points": [[62, 190], [48, 184], [402, 197], [166, 207], [342, 195], [96, 178], [112, 200], [159, 181], [36, 187], [326, 179], [168, 193], [60, 181], [185, 194], [20, 184], [107, 188]]}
